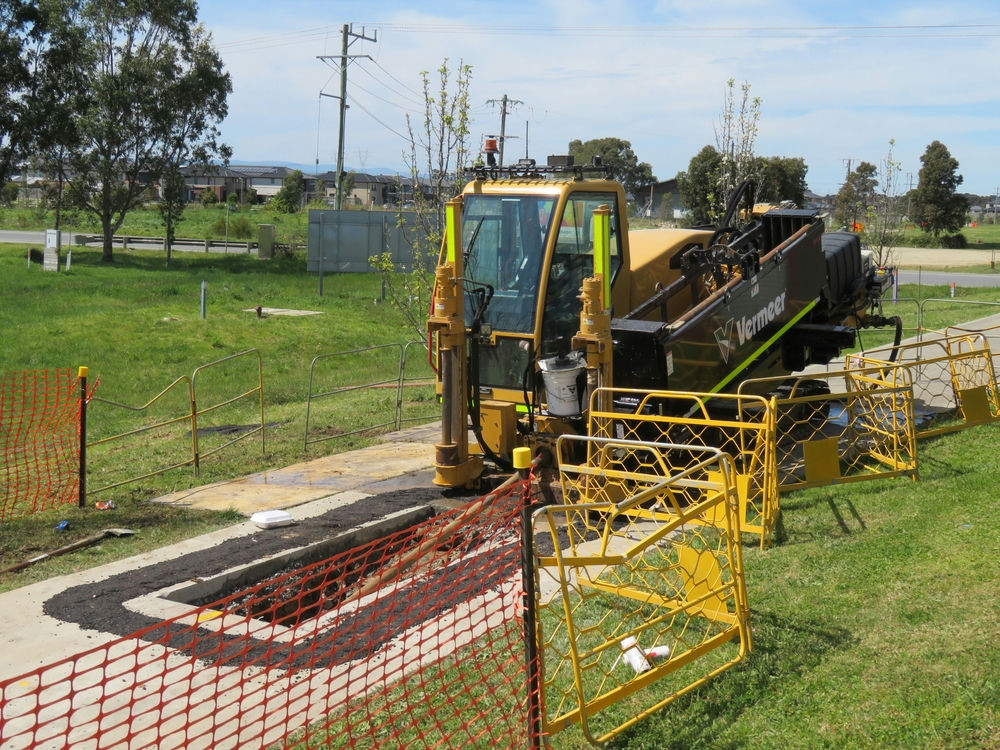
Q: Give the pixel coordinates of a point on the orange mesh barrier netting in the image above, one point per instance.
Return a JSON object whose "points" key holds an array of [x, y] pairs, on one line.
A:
{"points": [[411, 640], [39, 441]]}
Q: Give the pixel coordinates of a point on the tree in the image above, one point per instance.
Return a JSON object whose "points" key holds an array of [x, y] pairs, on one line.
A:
{"points": [[936, 205], [153, 82], [289, 197], [735, 136], [37, 77], [438, 149], [347, 183], [617, 155], [193, 135], [882, 233], [781, 179], [855, 196], [699, 187], [714, 173]]}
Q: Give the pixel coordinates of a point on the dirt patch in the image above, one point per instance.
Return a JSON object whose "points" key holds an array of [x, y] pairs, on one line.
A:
{"points": [[912, 257], [98, 606]]}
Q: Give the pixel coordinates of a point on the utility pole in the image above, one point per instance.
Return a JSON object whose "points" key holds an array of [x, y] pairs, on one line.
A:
{"points": [[348, 37], [505, 102]]}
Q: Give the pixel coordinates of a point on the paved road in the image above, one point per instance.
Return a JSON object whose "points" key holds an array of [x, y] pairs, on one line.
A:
{"points": [[930, 278], [38, 238], [27, 238]]}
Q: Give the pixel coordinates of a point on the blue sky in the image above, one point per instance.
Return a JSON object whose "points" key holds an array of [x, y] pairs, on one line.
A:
{"points": [[837, 80]]}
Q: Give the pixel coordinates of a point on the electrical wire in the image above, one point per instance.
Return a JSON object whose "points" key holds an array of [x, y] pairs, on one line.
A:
{"points": [[368, 112], [403, 96], [899, 31]]}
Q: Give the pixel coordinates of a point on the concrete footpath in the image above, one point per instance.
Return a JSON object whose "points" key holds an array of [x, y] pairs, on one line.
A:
{"points": [[376, 468], [32, 638]]}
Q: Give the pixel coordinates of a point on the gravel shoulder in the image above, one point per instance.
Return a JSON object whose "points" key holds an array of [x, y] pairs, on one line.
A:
{"points": [[914, 257]]}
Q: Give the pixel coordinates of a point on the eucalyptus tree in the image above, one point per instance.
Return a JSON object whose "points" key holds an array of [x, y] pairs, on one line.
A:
{"points": [[155, 92]]}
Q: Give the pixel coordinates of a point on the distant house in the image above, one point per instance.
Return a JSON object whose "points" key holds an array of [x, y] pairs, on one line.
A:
{"points": [[239, 179], [368, 191], [659, 200]]}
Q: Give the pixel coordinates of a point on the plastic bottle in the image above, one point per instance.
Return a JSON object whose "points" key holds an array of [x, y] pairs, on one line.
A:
{"points": [[634, 656]]}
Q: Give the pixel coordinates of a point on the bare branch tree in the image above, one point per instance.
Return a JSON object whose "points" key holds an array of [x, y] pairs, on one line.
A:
{"points": [[882, 231], [438, 151], [736, 136]]}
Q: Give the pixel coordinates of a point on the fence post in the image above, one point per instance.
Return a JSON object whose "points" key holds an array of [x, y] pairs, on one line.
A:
{"points": [[82, 373], [522, 462]]}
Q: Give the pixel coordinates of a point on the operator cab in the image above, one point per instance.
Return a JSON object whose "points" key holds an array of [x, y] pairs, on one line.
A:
{"points": [[529, 244]]}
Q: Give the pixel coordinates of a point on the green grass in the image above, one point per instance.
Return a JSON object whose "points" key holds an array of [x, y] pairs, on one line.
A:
{"points": [[137, 326], [156, 525], [875, 622], [198, 222], [981, 236], [969, 303]]}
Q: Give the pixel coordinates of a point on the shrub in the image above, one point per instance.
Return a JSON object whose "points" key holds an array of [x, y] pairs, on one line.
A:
{"points": [[954, 241], [9, 193], [240, 227]]}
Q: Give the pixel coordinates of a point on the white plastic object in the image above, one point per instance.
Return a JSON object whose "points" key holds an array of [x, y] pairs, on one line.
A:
{"points": [[657, 653], [634, 656], [271, 519]]}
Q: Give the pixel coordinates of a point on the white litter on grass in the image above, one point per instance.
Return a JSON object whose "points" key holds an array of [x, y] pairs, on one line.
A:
{"points": [[271, 519], [283, 311]]}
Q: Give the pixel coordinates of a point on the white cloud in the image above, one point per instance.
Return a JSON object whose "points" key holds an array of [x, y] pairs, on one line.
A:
{"points": [[650, 72]]}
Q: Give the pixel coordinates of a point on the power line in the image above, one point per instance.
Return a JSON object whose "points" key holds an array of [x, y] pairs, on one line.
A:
{"points": [[900, 31], [368, 112], [403, 96], [413, 91]]}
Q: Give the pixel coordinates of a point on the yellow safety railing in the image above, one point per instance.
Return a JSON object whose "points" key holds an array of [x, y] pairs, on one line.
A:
{"points": [[841, 426], [190, 419], [647, 589], [952, 378], [741, 425]]}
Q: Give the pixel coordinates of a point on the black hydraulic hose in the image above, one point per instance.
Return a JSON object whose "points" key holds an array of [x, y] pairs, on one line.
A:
{"points": [[898, 321], [529, 369], [485, 294], [732, 206]]}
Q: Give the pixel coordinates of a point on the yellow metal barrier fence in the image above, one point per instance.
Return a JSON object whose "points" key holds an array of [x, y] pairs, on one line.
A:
{"points": [[639, 582], [741, 425], [952, 378], [367, 390], [991, 334], [165, 431], [842, 426]]}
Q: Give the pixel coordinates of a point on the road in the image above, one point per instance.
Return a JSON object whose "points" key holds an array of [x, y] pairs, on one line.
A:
{"points": [[926, 277], [38, 238], [917, 264]]}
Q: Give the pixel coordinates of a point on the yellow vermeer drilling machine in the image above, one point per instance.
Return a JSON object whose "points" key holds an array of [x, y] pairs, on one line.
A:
{"points": [[542, 295]]}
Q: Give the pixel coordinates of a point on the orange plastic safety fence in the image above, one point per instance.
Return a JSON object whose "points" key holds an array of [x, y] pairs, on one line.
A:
{"points": [[412, 640], [39, 441]]}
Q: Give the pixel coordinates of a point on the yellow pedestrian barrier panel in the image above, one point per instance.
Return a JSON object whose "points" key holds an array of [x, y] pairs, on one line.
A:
{"points": [[644, 590], [842, 426], [952, 378], [739, 424]]}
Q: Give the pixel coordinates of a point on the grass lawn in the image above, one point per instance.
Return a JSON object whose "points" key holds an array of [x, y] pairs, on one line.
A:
{"points": [[137, 326], [198, 222], [981, 236], [875, 621]]}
